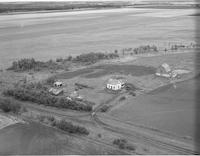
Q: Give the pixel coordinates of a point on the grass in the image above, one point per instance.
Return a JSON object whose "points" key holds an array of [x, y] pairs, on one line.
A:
{"points": [[107, 69], [133, 70]]}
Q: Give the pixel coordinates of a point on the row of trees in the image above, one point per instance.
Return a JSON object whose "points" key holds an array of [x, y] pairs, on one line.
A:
{"points": [[141, 49], [145, 49], [91, 58], [41, 96], [63, 125], [31, 64]]}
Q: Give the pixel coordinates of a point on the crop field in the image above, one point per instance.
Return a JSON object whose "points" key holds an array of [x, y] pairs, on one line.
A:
{"points": [[167, 109], [51, 35]]}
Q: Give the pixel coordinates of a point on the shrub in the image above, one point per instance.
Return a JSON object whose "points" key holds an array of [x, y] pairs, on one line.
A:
{"points": [[131, 147], [59, 59], [119, 141], [41, 118], [123, 144], [70, 128], [51, 118], [69, 58], [53, 123], [145, 49], [132, 93], [122, 98], [8, 105], [104, 108], [99, 135], [50, 80]]}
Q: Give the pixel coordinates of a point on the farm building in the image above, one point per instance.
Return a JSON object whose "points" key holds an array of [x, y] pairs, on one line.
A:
{"points": [[58, 84], [114, 84], [164, 70]]}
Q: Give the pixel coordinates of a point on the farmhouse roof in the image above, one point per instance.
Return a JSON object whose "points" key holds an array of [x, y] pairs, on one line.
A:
{"points": [[114, 82], [58, 83]]}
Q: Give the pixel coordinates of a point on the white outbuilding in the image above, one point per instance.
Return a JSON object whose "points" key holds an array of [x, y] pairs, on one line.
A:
{"points": [[114, 84]]}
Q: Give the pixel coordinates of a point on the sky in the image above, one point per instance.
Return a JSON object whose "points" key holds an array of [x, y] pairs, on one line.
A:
{"points": [[51, 0]]}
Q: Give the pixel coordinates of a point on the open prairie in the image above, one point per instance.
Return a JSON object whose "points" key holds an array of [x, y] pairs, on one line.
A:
{"points": [[50, 35], [142, 109]]}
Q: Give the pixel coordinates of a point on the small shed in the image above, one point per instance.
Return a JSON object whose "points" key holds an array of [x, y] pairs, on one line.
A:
{"points": [[114, 84], [74, 94], [164, 70]]}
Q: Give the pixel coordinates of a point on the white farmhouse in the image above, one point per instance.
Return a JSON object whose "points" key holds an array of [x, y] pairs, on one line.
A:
{"points": [[114, 84]]}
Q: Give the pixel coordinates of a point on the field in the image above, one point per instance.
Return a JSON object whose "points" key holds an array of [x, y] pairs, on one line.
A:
{"points": [[168, 109], [40, 140], [51, 35]]}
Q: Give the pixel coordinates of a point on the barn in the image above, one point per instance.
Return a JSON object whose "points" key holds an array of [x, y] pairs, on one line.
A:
{"points": [[164, 70]]}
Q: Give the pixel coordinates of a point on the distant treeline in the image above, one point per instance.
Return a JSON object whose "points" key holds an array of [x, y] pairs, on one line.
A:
{"points": [[42, 6], [60, 63], [37, 93], [32, 64], [92, 58], [141, 49], [89, 58]]}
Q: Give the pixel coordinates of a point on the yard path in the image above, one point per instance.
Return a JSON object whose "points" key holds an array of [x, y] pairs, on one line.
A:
{"points": [[6, 120]]}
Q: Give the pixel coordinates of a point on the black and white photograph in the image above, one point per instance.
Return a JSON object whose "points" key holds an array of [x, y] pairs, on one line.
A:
{"points": [[99, 77]]}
